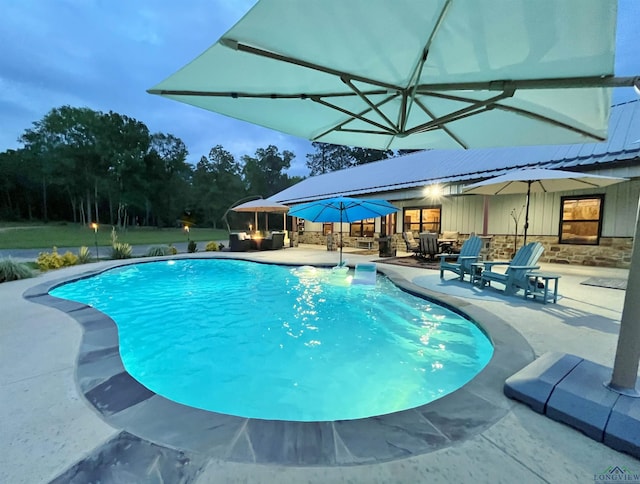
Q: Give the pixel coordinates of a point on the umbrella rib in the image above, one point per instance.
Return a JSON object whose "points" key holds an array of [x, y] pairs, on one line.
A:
{"points": [[239, 46], [455, 115], [502, 107], [441, 126], [248, 95], [545, 119], [348, 82], [359, 116], [417, 72], [557, 83]]}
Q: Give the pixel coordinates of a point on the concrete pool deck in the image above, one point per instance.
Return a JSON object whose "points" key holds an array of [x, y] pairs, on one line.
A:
{"points": [[49, 429]]}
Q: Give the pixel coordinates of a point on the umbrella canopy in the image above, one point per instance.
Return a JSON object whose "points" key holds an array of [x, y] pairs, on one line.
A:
{"points": [[261, 205], [342, 209], [538, 180], [412, 74]]}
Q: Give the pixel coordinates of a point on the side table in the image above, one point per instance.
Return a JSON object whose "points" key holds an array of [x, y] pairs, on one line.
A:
{"points": [[538, 287], [476, 273]]}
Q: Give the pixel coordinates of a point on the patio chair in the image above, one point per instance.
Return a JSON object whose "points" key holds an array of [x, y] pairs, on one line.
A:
{"points": [[429, 245], [239, 242], [516, 275], [449, 242], [412, 245], [461, 263], [274, 242]]}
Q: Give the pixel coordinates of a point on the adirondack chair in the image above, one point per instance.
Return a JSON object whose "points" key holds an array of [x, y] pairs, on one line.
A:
{"points": [[429, 245], [412, 245], [461, 263], [516, 275]]}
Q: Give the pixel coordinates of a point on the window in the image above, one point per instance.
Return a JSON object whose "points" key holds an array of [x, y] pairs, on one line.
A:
{"points": [[424, 219], [363, 228], [327, 228], [581, 219]]}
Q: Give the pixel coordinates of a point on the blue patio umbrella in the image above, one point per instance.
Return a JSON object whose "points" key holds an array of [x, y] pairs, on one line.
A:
{"points": [[342, 209]]}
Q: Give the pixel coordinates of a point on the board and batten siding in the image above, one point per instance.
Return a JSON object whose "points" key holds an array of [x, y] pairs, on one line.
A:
{"points": [[619, 217], [465, 213]]}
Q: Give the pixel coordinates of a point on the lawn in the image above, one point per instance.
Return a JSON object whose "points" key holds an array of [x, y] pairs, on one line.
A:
{"points": [[46, 236]]}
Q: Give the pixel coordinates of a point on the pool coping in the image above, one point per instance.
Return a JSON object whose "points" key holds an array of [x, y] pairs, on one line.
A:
{"points": [[127, 405]]}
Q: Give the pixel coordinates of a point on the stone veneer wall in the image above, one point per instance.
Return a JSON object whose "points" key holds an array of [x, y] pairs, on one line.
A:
{"points": [[309, 237], [612, 251]]}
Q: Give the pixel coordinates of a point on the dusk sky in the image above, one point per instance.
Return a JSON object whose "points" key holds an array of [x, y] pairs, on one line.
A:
{"points": [[105, 54]]}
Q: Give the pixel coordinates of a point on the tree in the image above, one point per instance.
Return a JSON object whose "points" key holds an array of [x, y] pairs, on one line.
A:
{"points": [[122, 145], [168, 178], [62, 150], [407, 152], [263, 174], [217, 183], [362, 156], [329, 157], [14, 185]]}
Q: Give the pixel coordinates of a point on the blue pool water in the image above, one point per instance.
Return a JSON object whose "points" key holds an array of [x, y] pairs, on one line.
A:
{"points": [[281, 342]]}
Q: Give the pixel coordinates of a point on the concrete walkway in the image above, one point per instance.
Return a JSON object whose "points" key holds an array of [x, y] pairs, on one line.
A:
{"points": [[47, 426]]}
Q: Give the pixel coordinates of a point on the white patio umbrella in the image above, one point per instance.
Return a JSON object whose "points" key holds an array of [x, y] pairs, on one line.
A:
{"points": [[413, 73], [538, 180]]}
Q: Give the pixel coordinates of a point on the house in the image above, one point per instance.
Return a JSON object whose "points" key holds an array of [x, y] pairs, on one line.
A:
{"points": [[589, 227]]}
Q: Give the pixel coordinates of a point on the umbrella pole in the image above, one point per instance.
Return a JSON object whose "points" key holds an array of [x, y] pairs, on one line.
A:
{"points": [[340, 235], [526, 214], [625, 366]]}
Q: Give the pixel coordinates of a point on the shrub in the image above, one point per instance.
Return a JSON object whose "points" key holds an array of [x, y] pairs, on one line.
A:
{"points": [[172, 250], [158, 251], [192, 247], [211, 247], [114, 236], [49, 260], [69, 259], [121, 250], [52, 260], [84, 255], [10, 270]]}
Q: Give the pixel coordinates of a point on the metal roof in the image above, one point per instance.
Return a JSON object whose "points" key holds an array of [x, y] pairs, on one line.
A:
{"points": [[456, 166]]}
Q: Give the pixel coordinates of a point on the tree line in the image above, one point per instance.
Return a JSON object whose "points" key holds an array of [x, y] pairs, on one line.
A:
{"points": [[85, 166]]}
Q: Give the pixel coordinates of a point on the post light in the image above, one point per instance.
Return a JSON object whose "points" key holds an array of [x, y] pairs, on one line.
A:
{"points": [[186, 229], [94, 226]]}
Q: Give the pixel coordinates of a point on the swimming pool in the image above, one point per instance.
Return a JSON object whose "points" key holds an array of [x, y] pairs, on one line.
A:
{"points": [[279, 342]]}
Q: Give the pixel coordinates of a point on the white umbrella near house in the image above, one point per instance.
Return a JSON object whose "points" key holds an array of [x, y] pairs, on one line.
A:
{"points": [[538, 180]]}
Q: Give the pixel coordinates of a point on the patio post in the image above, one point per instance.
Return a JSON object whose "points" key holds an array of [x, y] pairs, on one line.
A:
{"points": [[625, 367]]}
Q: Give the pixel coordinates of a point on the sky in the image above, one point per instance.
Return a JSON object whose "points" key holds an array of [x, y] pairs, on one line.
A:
{"points": [[105, 54]]}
